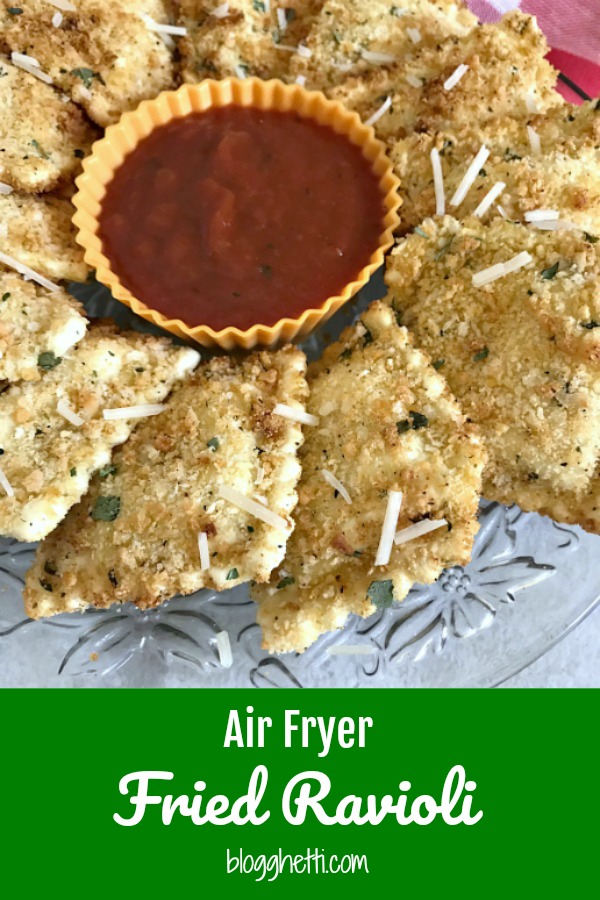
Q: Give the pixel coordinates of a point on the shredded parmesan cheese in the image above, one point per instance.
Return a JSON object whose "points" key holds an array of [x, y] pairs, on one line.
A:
{"points": [[295, 415], [224, 649], [65, 5], [537, 215], [6, 484], [418, 530], [534, 141], [304, 52], [530, 103], [134, 412], [251, 506], [351, 650], [64, 410], [31, 65], [337, 485], [414, 34], [486, 276], [27, 273], [163, 27], [378, 58], [489, 198], [390, 521], [57, 19], [301, 79], [220, 12], [203, 550], [438, 182], [267, 6], [502, 211], [281, 19], [455, 77], [240, 72], [414, 81], [470, 175], [24, 58], [379, 112], [5, 188]]}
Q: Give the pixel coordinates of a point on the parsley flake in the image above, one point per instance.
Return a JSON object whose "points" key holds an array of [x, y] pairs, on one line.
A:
{"points": [[5, 296], [381, 593], [105, 471], [232, 575], [48, 360], [482, 354], [87, 76], [73, 472], [258, 6], [591, 324], [285, 582], [550, 272], [106, 509], [590, 238], [14, 10], [214, 444], [438, 363], [422, 233]]}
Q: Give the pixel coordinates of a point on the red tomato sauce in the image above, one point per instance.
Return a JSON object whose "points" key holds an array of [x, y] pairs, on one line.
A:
{"points": [[238, 217]]}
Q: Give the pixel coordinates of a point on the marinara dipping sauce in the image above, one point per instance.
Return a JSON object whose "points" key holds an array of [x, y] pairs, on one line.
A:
{"points": [[239, 216]]}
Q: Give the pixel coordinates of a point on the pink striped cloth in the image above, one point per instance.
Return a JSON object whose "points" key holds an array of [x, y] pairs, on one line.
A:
{"points": [[572, 28]]}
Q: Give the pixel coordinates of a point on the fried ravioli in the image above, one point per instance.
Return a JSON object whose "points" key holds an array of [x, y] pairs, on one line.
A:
{"points": [[349, 36], [48, 459], [506, 71], [521, 353], [564, 176], [41, 136], [387, 422], [35, 324], [219, 429], [249, 40], [38, 231], [103, 54]]}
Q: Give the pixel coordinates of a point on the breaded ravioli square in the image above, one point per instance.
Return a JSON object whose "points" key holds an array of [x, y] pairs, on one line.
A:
{"points": [[521, 352], [250, 39], [349, 37], [506, 76], [53, 433], [38, 232], [36, 324], [102, 54], [386, 422], [163, 495], [42, 135]]}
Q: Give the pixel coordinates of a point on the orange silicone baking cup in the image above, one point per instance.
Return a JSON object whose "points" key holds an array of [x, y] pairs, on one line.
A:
{"points": [[120, 139]]}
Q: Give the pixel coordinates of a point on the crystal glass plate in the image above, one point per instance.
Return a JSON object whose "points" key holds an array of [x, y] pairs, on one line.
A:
{"points": [[529, 583]]}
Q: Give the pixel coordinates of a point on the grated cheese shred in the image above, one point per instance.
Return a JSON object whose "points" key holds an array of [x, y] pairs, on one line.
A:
{"points": [[469, 177], [493, 193], [203, 551], [57, 19], [414, 35], [5, 188], [8, 488], [386, 541], [371, 56], [438, 182], [379, 112], [142, 411], [543, 215], [65, 5], [337, 485], [295, 415], [534, 141], [220, 12], [232, 495], [27, 273], [64, 410], [455, 77], [418, 529], [492, 273], [224, 649]]}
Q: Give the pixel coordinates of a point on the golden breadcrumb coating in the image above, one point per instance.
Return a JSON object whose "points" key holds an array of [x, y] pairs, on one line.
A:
{"points": [[38, 231], [346, 30], [34, 321], [521, 354], [47, 460], [506, 65], [387, 422], [103, 54], [564, 177], [219, 429], [42, 137], [245, 42]]}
